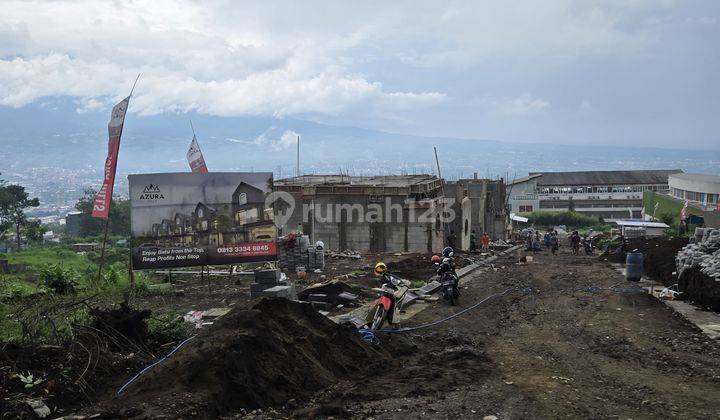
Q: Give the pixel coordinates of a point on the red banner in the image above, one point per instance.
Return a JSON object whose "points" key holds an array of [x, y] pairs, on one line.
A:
{"points": [[195, 158], [101, 204]]}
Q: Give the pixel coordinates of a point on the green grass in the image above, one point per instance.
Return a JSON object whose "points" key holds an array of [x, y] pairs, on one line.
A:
{"points": [[667, 208], [569, 218], [416, 284], [665, 205], [38, 256]]}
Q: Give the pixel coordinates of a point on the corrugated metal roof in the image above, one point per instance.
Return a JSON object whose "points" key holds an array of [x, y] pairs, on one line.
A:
{"points": [[698, 177], [658, 176], [524, 179], [641, 224]]}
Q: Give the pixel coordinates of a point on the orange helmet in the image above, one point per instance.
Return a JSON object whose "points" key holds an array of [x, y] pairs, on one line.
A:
{"points": [[435, 259]]}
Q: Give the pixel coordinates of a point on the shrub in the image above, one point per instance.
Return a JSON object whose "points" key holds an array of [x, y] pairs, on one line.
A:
{"points": [[667, 218], [167, 328], [111, 277], [554, 218], [13, 292], [58, 279]]}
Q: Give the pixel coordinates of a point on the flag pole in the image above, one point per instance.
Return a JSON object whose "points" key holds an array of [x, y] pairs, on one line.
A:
{"points": [[107, 221], [191, 127]]}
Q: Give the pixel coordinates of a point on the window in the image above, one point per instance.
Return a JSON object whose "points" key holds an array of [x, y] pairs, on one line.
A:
{"points": [[526, 209], [242, 198]]}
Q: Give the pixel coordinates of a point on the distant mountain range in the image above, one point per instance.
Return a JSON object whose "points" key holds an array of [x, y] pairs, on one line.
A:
{"points": [[53, 134]]}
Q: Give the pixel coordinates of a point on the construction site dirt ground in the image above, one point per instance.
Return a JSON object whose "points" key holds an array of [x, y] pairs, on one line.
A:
{"points": [[543, 353]]}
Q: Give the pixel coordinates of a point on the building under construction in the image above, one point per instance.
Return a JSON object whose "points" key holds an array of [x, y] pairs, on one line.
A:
{"points": [[366, 213], [400, 213], [481, 207]]}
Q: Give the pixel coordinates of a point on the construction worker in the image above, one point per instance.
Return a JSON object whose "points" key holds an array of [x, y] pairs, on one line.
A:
{"points": [[575, 242], [486, 241]]}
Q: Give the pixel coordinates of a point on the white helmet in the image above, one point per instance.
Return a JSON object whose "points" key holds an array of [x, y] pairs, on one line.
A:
{"points": [[319, 245]]}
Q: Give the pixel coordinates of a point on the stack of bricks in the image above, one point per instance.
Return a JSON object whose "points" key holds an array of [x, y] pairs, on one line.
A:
{"points": [[293, 254], [316, 258]]}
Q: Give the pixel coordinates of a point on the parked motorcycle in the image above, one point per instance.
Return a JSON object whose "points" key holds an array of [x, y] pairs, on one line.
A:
{"points": [[391, 294], [448, 281]]}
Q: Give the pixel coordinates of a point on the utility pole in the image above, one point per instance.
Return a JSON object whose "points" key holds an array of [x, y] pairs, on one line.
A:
{"points": [[297, 167], [442, 191]]}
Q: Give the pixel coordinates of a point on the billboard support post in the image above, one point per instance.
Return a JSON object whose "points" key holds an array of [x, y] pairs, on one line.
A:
{"points": [[102, 252], [131, 273]]}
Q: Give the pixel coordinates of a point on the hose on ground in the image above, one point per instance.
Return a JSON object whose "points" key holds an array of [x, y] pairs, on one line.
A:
{"points": [[139, 374]]}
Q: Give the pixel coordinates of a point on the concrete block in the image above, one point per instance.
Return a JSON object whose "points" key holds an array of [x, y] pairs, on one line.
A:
{"points": [[348, 296], [321, 305], [277, 291], [317, 297]]}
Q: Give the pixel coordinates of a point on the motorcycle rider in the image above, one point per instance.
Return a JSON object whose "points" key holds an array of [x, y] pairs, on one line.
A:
{"points": [[449, 253], [392, 282]]}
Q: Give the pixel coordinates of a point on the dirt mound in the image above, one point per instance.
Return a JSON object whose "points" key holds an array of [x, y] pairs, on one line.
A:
{"points": [[417, 267], [660, 258], [700, 288], [332, 289], [261, 354], [122, 323]]}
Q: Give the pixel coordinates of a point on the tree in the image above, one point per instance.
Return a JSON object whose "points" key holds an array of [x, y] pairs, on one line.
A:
{"points": [[119, 216], [34, 230], [571, 204], [13, 202]]}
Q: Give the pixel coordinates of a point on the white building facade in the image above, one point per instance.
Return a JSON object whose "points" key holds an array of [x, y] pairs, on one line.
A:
{"points": [[702, 190], [611, 195]]}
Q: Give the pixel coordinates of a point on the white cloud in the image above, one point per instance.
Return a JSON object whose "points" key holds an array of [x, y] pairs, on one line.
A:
{"points": [[192, 57], [288, 139], [407, 66]]}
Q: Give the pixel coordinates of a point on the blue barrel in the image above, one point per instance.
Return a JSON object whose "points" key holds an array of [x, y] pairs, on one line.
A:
{"points": [[634, 266]]}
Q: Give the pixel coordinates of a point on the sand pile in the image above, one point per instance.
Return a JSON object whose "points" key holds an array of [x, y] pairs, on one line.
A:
{"points": [[261, 354]]}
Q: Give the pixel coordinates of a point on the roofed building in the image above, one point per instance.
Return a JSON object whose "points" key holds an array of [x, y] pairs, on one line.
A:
{"points": [[365, 213], [612, 195], [702, 190]]}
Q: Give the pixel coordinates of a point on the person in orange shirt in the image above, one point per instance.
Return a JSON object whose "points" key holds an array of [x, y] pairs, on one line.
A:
{"points": [[486, 241]]}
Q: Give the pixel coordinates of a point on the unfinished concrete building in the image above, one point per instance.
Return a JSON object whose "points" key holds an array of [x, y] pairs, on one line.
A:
{"points": [[480, 205], [365, 213]]}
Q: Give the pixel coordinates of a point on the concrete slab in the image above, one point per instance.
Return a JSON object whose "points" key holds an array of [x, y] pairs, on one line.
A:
{"points": [[215, 312], [708, 322]]}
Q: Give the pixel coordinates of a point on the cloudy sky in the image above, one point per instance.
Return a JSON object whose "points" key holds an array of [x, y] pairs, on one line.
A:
{"points": [[622, 72]]}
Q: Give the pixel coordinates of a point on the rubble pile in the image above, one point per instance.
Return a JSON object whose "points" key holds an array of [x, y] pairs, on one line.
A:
{"points": [[705, 253], [264, 353]]}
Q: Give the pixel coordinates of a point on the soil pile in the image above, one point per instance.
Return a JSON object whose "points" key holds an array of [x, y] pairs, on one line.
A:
{"points": [[660, 258], [417, 267], [122, 323], [700, 288], [261, 354]]}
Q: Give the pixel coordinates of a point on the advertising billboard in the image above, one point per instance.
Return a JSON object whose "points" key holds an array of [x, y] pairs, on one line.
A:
{"points": [[194, 219]]}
